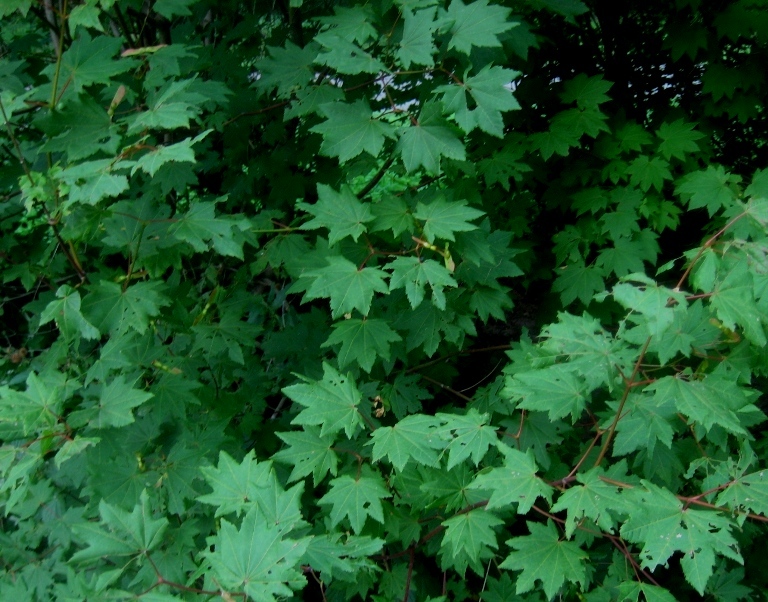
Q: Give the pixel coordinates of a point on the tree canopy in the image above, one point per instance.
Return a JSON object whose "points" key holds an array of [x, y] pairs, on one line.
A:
{"points": [[387, 300]]}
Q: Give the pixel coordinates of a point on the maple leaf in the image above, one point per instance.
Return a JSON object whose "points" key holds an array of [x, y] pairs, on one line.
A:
{"points": [[287, 69], [112, 309], [555, 141], [594, 499], [89, 61], [470, 436], [331, 403], [201, 228], [179, 152], [116, 403], [491, 93], [66, 313], [229, 334], [417, 45], [470, 532], [309, 452], [734, 302], [442, 218], [352, 24], [121, 533], [362, 341], [235, 484], [748, 492], [710, 188], [414, 437], [257, 558], [92, 181], [514, 483], [347, 287], [429, 139], [351, 129], [664, 526], [587, 92], [36, 408], [643, 424], [391, 213], [557, 389], [578, 122], [678, 139], [712, 401], [404, 395], [347, 57], [414, 274], [651, 302], [542, 556], [646, 172], [81, 129], [476, 24], [356, 499], [340, 212]]}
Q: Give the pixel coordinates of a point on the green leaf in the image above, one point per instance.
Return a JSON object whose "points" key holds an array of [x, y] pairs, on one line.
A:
{"points": [[443, 218], [514, 483], [647, 173], [81, 129], [116, 403], [88, 61], [202, 229], [578, 281], [587, 92], [356, 499], [415, 437], [733, 299], [678, 139], [415, 274], [287, 69], [37, 408], [362, 341], [748, 492], [352, 24], [644, 423], [235, 484], [350, 129], [121, 533], [542, 556], [229, 334], [470, 436], [173, 8], [417, 45], [391, 213], [346, 57], [179, 152], [171, 108], [429, 139], [556, 389], [340, 212], [66, 313], [331, 403], [112, 309], [92, 181], [491, 94], [470, 532], [593, 499], [476, 24], [710, 402], [257, 559], [709, 188], [664, 526], [347, 286], [309, 453]]}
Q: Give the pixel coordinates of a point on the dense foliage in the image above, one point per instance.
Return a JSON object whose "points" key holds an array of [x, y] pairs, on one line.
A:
{"points": [[388, 300]]}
